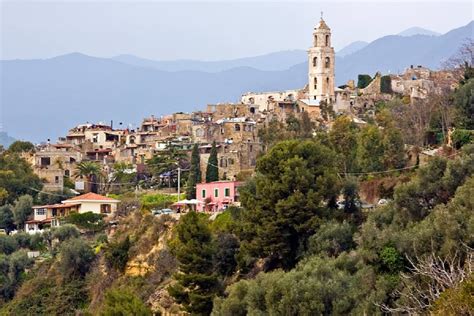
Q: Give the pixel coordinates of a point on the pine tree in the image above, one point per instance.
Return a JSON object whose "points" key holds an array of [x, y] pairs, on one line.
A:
{"points": [[196, 283], [194, 173], [212, 172], [285, 201]]}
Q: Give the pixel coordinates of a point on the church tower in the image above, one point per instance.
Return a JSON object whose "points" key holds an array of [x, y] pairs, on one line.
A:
{"points": [[321, 64]]}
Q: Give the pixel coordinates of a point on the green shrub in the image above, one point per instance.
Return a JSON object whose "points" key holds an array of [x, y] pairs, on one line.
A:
{"points": [[117, 254], [331, 239], [122, 302], [12, 273], [461, 137], [76, 258], [8, 244], [64, 232], [363, 81], [150, 201], [88, 220], [391, 260]]}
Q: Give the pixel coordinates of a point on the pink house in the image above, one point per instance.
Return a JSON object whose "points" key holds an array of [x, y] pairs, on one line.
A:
{"points": [[216, 196]]}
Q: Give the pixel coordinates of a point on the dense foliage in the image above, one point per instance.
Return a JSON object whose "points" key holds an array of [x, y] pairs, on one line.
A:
{"points": [[291, 193], [16, 178], [194, 173], [212, 171], [363, 81], [196, 281]]}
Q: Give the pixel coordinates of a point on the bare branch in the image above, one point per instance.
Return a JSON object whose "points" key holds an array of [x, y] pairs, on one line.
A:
{"points": [[428, 278]]}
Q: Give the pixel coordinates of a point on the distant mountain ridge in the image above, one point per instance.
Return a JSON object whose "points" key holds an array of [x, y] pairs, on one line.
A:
{"points": [[418, 31], [52, 95], [269, 62], [351, 48]]}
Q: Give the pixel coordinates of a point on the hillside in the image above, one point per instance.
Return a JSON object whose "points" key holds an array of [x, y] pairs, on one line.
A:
{"points": [[100, 89]]}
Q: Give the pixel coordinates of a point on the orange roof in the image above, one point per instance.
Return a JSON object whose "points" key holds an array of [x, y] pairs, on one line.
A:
{"points": [[91, 196]]}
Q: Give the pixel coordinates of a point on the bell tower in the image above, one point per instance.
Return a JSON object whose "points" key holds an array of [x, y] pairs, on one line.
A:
{"points": [[321, 64]]}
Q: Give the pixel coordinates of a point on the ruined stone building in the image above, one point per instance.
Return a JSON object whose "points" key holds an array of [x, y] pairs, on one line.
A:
{"points": [[53, 162]]}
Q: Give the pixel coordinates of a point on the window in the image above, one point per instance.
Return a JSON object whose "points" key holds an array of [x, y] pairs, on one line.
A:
{"points": [[237, 127], [203, 193], [105, 208], [227, 192], [56, 179], [45, 161], [67, 173], [216, 192], [327, 40], [223, 162], [315, 61], [40, 211], [328, 62], [315, 83], [315, 40], [327, 82]]}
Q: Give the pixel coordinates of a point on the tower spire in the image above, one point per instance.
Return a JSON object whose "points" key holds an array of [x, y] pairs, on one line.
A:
{"points": [[322, 15]]}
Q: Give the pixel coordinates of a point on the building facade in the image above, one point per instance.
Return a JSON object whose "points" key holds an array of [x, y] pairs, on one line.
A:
{"points": [[47, 216], [321, 59], [216, 196]]}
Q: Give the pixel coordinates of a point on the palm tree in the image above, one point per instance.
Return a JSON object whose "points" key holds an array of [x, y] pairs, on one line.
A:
{"points": [[167, 161], [91, 171]]}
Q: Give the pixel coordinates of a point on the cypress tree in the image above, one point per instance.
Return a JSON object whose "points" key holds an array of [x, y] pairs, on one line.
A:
{"points": [[194, 173], [196, 283], [212, 172]]}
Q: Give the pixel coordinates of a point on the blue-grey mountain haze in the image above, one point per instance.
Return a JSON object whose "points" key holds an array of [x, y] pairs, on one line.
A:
{"points": [[42, 98]]}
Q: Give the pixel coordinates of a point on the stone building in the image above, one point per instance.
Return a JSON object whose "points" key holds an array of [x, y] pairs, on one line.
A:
{"points": [[53, 162], [263, 101]]}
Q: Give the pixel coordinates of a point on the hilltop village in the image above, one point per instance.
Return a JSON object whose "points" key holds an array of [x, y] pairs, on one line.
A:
{"points": [[234, 127], [323, 200]]}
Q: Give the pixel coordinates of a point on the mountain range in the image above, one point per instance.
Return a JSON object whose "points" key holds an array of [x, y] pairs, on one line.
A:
{"points": [[43, 98]]}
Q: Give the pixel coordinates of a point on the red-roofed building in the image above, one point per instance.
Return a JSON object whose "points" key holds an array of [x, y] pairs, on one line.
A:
{"points": [[46, 216]]}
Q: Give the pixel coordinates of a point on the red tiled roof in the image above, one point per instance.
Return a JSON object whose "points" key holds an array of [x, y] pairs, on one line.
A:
{"points": [[91, 196]]}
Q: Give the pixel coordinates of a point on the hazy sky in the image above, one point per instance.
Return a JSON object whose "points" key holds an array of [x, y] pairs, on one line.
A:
{"points": [[206, 30]]}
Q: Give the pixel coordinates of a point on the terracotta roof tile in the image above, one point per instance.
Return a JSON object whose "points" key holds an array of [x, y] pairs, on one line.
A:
{"points": [[91, 196]]}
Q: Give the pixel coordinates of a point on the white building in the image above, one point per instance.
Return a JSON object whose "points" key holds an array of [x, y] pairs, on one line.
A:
{"points": [[46, 216]]}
